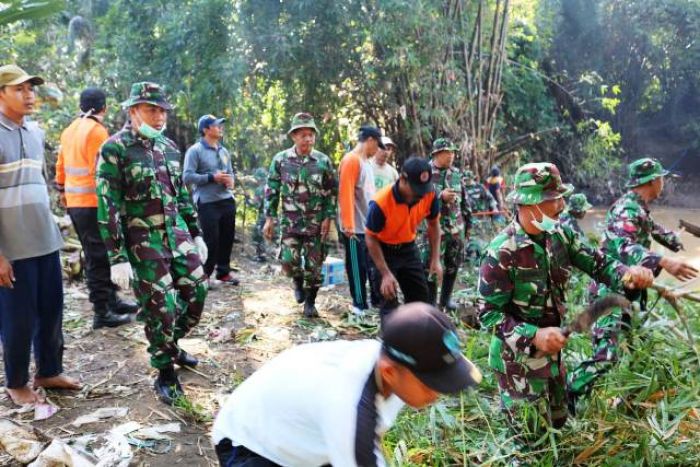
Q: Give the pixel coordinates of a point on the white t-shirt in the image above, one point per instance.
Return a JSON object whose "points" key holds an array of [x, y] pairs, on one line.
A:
{"points": [[384, 175], [313, 404]]}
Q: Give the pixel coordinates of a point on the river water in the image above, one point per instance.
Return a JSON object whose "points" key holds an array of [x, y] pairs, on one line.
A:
{"points": [[667, 217]]}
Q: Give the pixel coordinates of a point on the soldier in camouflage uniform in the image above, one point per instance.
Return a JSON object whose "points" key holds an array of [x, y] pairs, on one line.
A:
{"points": [[576, 208], [259, 204], [480, 201], [148, 222], [302, 185], [627, 238], [522, 283], [455, 216]]}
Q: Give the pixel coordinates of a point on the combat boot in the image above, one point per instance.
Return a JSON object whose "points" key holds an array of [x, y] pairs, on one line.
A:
{"points": [[106, 318], [167, 386], [185, 359], [120, 305], [310, 303], [432, 292], [299, 294], [448, 285]]}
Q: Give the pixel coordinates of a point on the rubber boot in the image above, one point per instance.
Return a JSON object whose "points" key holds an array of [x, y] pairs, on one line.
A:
{"points": [[185, 359], [432, 292], [106, 318], [448, 284], [310, 303], [299, 294], [167, 385], [121, 306]]}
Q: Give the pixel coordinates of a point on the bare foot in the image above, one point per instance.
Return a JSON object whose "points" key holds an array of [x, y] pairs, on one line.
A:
{"points": [[24, 395], [57, 382]]}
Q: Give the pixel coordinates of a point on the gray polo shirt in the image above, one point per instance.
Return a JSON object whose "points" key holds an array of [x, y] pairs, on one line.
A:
{"points": [[201, 163], [27, 226]]}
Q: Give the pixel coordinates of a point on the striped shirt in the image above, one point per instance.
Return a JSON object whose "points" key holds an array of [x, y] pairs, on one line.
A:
{"points": [[27, 226]]}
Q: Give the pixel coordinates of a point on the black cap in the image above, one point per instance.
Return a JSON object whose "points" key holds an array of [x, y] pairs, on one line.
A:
{"points": [[370, 132], [93, 99], [424, 340], [418, 173]]}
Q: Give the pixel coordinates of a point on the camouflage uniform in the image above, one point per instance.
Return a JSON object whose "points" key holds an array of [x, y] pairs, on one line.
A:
{"points": [[259, 204], [522, 285], [454, 219], [575, 206], [480, 200], [146, 217], [304, 188], [627, 238]]}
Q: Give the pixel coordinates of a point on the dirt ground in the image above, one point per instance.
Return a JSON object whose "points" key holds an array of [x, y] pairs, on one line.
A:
{"points": [[241, 328]]}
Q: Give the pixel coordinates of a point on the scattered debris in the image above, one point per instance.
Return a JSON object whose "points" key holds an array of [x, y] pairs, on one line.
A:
{"points": [[24, 446], [101, 414], [59, 454]]}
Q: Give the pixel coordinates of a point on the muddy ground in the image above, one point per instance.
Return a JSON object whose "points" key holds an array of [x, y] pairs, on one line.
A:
{"points": [[241, 328]]}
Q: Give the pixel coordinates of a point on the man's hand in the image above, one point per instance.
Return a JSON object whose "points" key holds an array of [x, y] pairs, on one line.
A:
{"points": [[448, 195], [390, 286], [7, 275], [549, 341], [638, 277], [679, 269], [435, 270], [222, 178], [62, 200], [325, 228], [268, 229]]}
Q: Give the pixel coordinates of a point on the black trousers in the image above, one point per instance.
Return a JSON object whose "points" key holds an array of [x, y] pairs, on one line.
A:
{"points": [[31, 315], [239, 456], [405, 264], [97, 272], [218, 222]]}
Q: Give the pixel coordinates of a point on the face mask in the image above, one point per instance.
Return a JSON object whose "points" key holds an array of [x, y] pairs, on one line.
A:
{"points": [[149, 132], [547, 224]]}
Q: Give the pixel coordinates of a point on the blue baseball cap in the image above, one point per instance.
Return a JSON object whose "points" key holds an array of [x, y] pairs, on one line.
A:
{"points": [[205, 121]]}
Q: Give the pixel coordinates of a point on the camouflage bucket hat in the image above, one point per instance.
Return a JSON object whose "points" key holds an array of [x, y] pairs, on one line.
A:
{"points": [[537, 182], [468, 174], [579, 203], [303, 120], [643, 171], [147, 93], [260, 174], [443, 144]]}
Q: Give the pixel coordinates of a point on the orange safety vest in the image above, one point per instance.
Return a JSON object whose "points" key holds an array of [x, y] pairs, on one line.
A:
{"points": [[77, 161]]}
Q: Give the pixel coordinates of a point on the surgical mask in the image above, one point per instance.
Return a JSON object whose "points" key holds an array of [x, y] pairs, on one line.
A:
{"points": [[547, 224], [151, 133]]}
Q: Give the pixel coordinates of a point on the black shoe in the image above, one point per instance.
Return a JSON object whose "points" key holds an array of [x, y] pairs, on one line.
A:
{"points": [[121, 306], [310, 310], [228, 279], [105, 318], [299, 294], [185, 359], [571, 403], [167, 386]]}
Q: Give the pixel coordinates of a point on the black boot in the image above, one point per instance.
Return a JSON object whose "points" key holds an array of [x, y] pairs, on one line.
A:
{"points": [[185, 359], [448, 284], [167, 385], [299, 294], [106, 318], [121, 306], [310, 303], [432, 292]]}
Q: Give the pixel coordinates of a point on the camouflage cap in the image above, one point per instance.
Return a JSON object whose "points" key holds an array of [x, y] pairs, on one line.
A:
{"points": [[643, 171], [468, 174], [260, 174], [443, 144], [537, 182], [147, 93], [578, 203], [303, 120]]}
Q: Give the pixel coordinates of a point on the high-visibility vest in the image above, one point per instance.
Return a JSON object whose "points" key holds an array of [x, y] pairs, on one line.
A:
{"points": [[77, 161]]}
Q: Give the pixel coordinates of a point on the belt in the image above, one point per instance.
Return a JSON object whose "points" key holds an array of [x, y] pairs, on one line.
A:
{"points": [[398, 246]]}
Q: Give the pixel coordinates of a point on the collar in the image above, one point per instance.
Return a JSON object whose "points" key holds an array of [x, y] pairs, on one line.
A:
{"points": [[11, 125], [293, 153], [131, 136], [520, 238], [638, 199], [208, 146]]}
